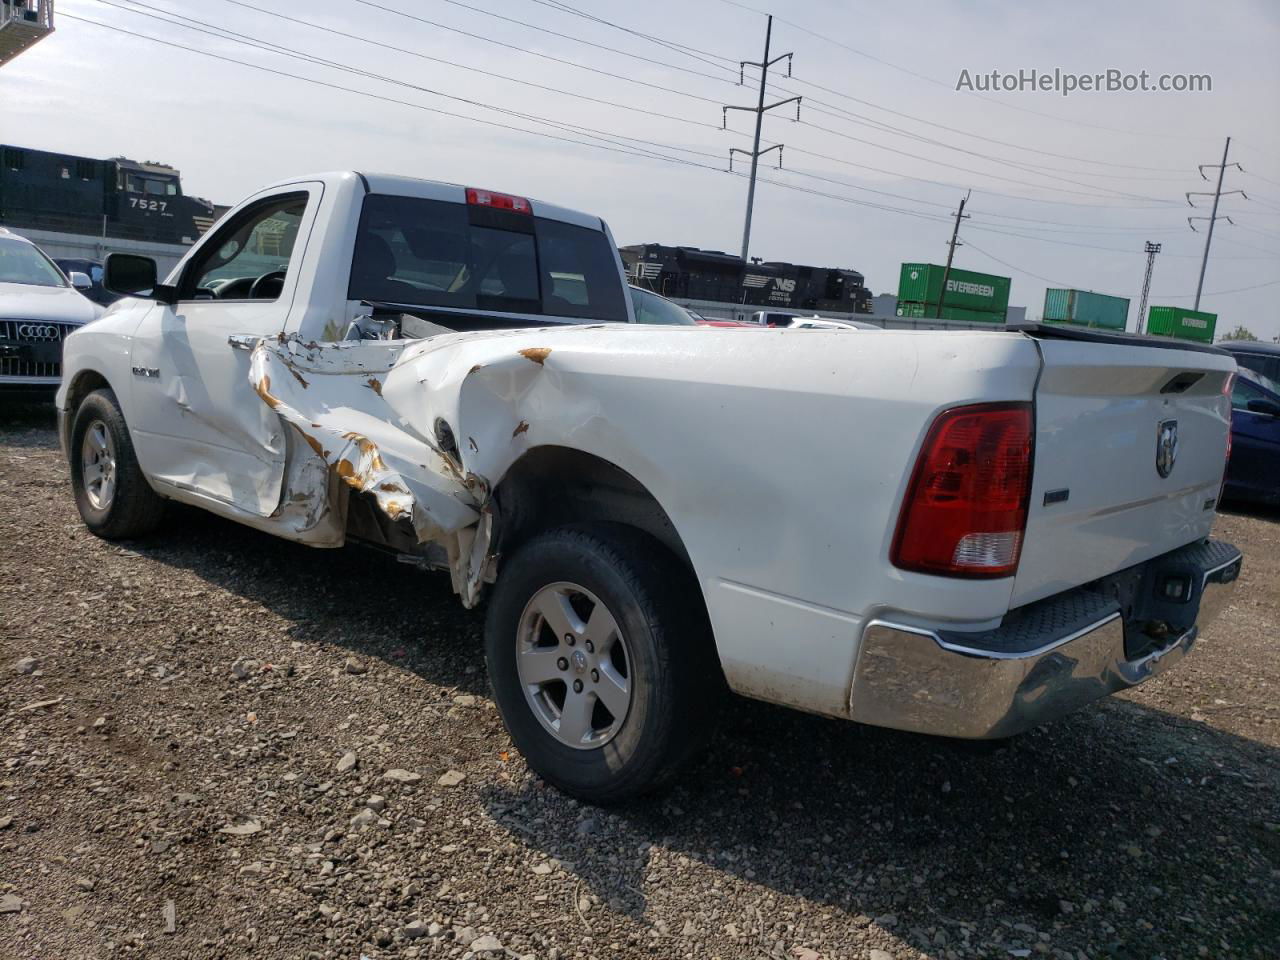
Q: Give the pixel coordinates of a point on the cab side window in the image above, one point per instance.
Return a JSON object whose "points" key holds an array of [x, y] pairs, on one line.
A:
{"points": [[249, 258]]}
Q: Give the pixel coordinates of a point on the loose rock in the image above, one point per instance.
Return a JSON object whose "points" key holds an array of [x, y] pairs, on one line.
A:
{"points": [[487, 944], [245, 829]]}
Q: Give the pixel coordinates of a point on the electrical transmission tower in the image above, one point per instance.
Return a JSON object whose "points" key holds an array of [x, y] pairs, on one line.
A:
{"points": [[1213, 214], [759, 110], [951, 252], [1152, 250]]}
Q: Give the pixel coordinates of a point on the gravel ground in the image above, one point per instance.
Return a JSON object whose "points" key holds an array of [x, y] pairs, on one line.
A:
{"points": [[217, 744]]}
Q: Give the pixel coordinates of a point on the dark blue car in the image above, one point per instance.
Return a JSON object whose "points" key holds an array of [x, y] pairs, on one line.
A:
{"points": [[1253, 472]]}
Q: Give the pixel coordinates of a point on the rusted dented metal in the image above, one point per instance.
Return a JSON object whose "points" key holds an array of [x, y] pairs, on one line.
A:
{"points": [[368, 413], [537, 354], [408, 477]]}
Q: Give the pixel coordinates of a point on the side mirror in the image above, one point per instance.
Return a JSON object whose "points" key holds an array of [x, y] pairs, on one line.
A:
{"points": [[80, 280], [133, 276], [1267, 408]]}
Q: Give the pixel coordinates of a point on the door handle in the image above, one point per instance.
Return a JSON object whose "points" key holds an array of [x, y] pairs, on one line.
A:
{"points": [[242, 341]]}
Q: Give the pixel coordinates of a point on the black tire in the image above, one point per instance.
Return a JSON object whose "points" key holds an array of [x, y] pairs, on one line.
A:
{"points": [[676, 683], [133, 508]]}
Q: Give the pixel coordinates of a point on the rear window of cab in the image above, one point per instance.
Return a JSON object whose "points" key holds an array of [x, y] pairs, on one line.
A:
{"points": [[433, 253]]}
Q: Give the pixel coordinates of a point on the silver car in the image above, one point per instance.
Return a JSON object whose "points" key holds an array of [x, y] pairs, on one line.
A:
{"points": [[39, 306]]}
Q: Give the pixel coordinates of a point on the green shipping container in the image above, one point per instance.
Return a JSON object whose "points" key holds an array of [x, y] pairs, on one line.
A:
{"points": [[1182, 323], [922, 283], [1085, 308], [928, 311]]}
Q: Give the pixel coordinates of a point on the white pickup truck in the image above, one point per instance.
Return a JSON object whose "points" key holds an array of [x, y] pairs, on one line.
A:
{"points": [[963, 534]]}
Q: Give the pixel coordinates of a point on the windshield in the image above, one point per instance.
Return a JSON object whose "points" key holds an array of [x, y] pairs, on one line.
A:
{"points": [[21, 262], [651, 308]]}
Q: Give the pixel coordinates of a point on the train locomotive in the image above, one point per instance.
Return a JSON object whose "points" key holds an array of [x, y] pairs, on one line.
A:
{"points": [[117, 198], [695, 274]]}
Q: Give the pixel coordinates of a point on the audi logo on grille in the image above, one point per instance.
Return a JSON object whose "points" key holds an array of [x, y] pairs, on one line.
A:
{"points": [[37, 331]]}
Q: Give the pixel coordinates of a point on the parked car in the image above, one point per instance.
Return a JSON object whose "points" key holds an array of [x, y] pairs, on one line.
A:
{"points": [[93, 270], [657, 511], [1253, 472], [653, 308], [826, 323], [772, 318], [1263, 358], [39, 307]]}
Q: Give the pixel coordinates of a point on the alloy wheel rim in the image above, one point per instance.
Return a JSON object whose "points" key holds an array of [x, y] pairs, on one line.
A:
{"points": [[574, 665], [98, 465]]}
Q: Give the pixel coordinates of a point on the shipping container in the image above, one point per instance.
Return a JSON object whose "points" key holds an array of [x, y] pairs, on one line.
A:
{"points": [[922, 283], [1084, 308], [928, 311], [1182, 323]]}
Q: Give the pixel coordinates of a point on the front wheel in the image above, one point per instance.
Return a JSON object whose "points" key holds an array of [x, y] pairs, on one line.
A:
{"points": [[601, 661], [113, 497]]}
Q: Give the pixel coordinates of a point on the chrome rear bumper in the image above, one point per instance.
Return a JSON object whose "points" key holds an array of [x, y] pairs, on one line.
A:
{"points": [[1057, 658]]}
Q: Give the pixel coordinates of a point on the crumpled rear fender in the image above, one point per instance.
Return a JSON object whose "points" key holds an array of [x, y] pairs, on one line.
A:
{"points": [[367, 412]]}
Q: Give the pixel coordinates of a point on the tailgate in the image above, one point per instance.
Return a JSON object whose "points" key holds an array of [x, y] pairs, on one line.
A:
{"points": [[1131, 441]]}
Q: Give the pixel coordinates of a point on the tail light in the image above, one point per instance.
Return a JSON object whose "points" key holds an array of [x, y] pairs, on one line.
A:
{"points": [[966, 506], [499, 201]]}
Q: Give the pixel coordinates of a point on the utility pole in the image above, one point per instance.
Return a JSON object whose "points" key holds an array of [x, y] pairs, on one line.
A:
{"points": [[759, 110], [1152, 250], [951, 251], [1213, 214]]}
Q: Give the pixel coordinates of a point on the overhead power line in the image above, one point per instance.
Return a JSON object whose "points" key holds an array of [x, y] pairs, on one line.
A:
{"points": [[1010, 266], [578, 129], [980, 173], [613, 142], [850, 116], [705, 56], [665, 115], [841, 115], [557, 33], [511, 46], [1162, 296], [598, 142], [825, 37], [977, 136]]}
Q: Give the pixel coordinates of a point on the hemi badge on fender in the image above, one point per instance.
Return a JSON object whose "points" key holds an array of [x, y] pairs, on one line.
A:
{"points": [[1056, 496], [149, 372]]}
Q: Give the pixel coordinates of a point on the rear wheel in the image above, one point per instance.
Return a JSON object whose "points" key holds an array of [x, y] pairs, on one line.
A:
{"points": [[113, 497], [601, 661]]}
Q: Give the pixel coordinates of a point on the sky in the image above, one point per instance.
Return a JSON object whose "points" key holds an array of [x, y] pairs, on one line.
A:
{"points": [[1065, 189]]}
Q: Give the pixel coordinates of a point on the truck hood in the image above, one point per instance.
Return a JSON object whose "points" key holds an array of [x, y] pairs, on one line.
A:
{"points": [[25, 301]]}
